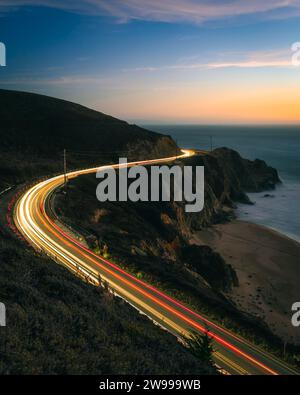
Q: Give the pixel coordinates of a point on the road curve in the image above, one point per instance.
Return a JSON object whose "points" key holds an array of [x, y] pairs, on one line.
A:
{"points": [[33, 218]]}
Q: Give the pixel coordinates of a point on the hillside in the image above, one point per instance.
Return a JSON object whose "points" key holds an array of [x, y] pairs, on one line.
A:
{"points": [[56, 323], [35, 129], [82, 329]]}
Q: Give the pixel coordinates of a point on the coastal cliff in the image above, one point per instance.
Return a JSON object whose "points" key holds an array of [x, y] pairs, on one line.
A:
{"points": [[228, 178], [158, 241], [160, 234]]}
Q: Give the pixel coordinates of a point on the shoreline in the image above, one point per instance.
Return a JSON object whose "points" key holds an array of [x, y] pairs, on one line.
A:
{"points": [[276, 211], [267, 265], [276, 231]]}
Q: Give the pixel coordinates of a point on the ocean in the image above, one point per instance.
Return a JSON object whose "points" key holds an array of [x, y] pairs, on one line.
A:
{"points": [[279, 146]]}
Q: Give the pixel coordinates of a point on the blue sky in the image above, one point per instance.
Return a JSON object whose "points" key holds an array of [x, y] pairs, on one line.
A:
{"points": [[175, 61]]}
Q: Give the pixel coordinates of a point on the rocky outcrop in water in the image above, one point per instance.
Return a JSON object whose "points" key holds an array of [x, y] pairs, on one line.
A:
{"points": [[228, 178], [249, 176]]}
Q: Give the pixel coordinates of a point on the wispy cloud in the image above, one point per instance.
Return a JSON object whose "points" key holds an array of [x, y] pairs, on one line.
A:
{"points": [[216, 65], [194, 11], [251, 64], [265, 59]]}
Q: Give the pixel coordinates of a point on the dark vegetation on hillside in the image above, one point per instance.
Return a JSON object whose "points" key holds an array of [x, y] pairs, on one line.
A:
{"points": [[57, 324], [35, 129]]}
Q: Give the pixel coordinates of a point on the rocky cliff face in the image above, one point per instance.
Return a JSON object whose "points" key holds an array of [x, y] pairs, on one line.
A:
{"points": [[243, 174], [228, 178], [163, 231], [163, 146]]}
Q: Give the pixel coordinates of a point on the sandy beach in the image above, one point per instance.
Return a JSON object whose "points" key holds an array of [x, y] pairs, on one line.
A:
{"points": [[268, 267]]}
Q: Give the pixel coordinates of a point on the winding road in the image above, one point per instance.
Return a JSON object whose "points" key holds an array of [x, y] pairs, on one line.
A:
{"points": [[33, 217]]}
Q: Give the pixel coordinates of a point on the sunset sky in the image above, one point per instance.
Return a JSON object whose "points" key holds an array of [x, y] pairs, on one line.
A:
{"points": [[170, 61]]}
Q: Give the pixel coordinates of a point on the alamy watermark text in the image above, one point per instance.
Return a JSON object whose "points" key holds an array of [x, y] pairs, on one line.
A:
{"points": [[158, 183], [2, 54], [296, 315], [2, 314]]}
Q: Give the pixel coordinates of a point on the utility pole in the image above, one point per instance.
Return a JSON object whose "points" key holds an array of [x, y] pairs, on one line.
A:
{"points": [[65, 166]]}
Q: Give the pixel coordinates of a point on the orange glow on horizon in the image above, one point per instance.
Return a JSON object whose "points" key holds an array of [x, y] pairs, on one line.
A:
{"points": [[248, 102]]}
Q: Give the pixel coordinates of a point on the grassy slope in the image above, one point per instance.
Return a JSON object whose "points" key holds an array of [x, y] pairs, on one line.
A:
{"points": [[41, 124], [34, 130], [57, 324]]}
